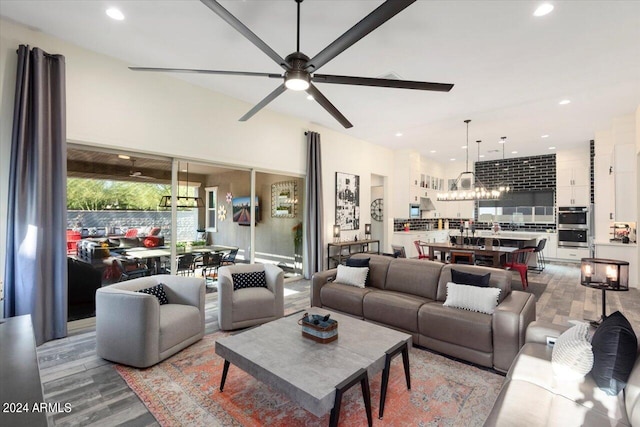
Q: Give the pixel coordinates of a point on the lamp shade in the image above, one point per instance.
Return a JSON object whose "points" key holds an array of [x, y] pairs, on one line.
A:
{"points": [[601, 273], [336, 233]]}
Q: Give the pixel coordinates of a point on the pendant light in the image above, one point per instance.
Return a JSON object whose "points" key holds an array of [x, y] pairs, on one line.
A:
{"points": [[185, 201], [467, 186]]}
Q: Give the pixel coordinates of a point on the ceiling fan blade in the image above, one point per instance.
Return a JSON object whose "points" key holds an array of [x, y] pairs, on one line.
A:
{"points": [[382, 14], [367, 81], [246, 32], [327, 105], [196, 71], [273, 95]]}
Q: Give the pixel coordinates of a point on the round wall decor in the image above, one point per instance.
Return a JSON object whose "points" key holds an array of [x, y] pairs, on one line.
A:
{"points": [[376, 209]]}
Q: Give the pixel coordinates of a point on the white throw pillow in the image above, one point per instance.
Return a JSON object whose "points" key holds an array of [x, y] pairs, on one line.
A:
{"points": [[473, 298], [572, 356], [353, 276]]}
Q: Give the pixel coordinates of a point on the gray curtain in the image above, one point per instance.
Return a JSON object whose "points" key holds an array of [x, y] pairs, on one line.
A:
{"points": [[36, 259], [314, 242]]}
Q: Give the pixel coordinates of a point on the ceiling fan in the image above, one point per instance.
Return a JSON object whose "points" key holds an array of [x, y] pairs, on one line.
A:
{"points": [[299, 67], [133, 173]]}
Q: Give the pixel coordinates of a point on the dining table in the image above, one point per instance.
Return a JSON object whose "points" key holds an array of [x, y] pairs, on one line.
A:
{"points": [[152, 256], [495, 253]]}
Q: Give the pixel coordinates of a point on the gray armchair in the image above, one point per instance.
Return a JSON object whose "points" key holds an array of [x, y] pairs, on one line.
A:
{"points": [[132, 328], [251, 306]]}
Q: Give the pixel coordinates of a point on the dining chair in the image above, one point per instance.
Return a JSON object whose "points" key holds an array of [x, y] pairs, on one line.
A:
{"points": [[421, 254], [519, 261], [398, 251]]}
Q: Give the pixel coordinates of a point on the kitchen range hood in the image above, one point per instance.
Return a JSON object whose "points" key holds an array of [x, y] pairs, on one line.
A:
{"points": [[426, 204]]}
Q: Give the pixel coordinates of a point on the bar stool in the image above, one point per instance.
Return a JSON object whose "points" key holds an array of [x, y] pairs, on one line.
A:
{"points": [[540, 261]]}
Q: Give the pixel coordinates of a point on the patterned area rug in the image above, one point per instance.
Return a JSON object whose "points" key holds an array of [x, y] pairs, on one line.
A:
{"points": [[183, 391]]}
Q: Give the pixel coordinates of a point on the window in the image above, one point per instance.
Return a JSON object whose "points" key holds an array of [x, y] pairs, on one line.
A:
{"points": [[519, 207], [212, 208]]}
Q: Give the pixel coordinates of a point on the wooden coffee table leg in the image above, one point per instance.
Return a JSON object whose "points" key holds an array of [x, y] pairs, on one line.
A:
{"points": [[225, 371], [403, 348], [359, 377]]}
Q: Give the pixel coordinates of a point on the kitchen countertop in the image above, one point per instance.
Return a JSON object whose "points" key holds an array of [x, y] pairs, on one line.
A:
{"points": [[608, 243]]}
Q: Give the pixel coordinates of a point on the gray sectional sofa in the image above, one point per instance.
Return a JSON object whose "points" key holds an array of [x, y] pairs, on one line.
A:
{"points": [[408, 295], [533, 396]]}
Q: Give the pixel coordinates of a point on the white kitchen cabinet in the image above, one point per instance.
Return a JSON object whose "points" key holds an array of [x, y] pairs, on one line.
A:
{"points": [[626, 194], [573, 178], [572, 254], [551, 247]]}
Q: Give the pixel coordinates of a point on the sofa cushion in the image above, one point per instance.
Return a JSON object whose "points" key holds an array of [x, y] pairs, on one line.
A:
{"points": [[352, 276], [253, 279], [177, 323], [533, 365], [464, 278], [456, 326], [572, 356], [344, 298], [414, 277], [158, 292], [378, 266], [615, 348], [499, 279], [395, 309], [473, 298], [253, 303]]}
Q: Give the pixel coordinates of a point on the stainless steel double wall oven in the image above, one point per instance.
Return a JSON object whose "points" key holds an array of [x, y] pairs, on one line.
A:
{"points": [[574, 224]]}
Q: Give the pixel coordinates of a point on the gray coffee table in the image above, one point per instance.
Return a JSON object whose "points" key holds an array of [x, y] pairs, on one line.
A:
{"points": [[316, 375]]}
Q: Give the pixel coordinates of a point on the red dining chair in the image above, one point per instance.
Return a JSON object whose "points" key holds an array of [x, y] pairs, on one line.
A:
{"points": [[421, 254], [519, 261]]}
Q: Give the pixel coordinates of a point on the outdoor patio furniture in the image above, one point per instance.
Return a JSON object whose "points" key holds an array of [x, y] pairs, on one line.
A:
{"points": [[186, 265], [230, 258], [130, 269]]}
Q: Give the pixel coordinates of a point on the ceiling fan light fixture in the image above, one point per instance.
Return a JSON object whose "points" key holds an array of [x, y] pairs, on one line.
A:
{"points": [[297, 80]]}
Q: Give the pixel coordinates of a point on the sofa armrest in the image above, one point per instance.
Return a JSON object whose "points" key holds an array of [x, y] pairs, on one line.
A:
{"points": [[137, 313], [509, 323], [537, 332], [318, 280], [225, 299], [275, 283]]}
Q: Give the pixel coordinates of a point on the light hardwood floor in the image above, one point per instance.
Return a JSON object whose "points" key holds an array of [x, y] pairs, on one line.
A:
{"points": [[72, 373]]}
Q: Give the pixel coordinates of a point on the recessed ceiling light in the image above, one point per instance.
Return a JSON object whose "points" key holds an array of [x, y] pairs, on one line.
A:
{"points": [[114, 13], [399, 134], [552, 148], [502, 141], [123, 156], [452, 159], [481, 155], [310, 98], [543, 9], [184, 170], [544, 136], [432, 151], [565, 102], [463, 147], [514, 152]]}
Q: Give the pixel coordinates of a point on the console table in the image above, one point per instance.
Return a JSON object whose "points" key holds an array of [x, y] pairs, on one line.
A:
{"points": [[20, 385], [343, 250]]}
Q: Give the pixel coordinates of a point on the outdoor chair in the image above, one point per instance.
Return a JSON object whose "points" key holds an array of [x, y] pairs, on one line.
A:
{"points": [[129, 269], [230, 258], [185, 265], [210, 261]]}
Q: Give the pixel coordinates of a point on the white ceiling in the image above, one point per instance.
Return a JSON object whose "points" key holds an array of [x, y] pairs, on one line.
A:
{"points": [[510, 69]]}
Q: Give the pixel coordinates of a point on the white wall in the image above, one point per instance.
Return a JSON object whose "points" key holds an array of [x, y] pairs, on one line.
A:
{"points": [[111, 106]]}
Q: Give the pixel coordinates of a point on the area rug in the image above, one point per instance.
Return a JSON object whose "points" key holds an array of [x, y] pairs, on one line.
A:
{"points": [[183, 391]]}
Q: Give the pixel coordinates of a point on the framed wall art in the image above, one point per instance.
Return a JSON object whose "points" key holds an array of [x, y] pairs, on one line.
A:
{"points": [[284, 199], [347, 201]]}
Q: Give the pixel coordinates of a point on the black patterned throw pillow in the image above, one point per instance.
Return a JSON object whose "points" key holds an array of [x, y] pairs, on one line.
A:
{"points": [[158, 292], [255, 279]]}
